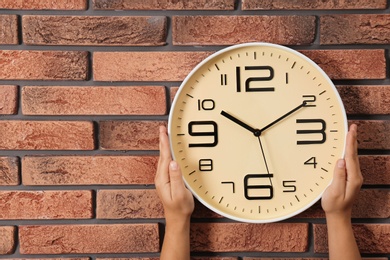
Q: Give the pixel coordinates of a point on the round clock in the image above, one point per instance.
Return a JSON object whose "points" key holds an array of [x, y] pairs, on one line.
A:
{"points": [[256, 129]]}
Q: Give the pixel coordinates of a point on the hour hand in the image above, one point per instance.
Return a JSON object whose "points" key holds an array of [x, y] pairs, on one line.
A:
{"points": [[255, 131]]}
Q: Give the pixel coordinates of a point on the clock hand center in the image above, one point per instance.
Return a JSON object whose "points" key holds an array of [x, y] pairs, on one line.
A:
{"points": [[254, 131], [282, 117]]}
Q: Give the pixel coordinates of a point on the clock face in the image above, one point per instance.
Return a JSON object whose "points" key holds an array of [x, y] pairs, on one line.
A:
{"points": [[256, 129]]}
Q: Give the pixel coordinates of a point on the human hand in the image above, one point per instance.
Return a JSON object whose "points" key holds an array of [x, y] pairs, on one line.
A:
{"points": [[338, 198], [177, 200]]}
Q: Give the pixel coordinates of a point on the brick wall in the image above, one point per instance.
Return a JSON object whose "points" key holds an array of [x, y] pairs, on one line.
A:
{"points": [[84, 85]]}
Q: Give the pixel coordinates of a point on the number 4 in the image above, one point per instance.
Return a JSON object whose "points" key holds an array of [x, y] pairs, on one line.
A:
{"points": [[311, 161]]}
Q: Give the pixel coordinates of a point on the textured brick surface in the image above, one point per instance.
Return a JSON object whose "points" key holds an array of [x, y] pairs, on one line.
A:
{"points": [[137, 258], [44, 4], [46, 204], [365, 99], [306, 258], [61, 239], [43, 65], [145, 66], [164, 4], [87, 83], [312, 4], [350, 64], [215, 258], [84, 170], [355, 29], [224, 30], [8, 100], [94, 30], [93, 100], [128, 204], [52, 258], [9, 29], [9, 171], [7, 240], [375, 169], [371, 238], [129, 135], [230, 237], [46, 135], [373, 134]]}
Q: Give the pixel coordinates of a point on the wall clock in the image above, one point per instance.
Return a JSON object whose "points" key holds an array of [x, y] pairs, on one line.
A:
{"points": [[256, 129]]}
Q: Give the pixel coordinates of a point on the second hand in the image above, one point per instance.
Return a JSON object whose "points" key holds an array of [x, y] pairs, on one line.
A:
{"points": [[265, 160]]}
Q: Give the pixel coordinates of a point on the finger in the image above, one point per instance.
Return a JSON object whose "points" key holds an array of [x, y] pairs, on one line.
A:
{"points": [[351, 154], [339, 179], [354, 175], [164, 159], [176, 179]]}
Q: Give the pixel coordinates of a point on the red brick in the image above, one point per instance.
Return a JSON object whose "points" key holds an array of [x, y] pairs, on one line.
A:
{"points": [[129, 135], [202, 211], [9, 171], [94, 30], [226, 30], [43, 65], [128, 204], [138, 258], [215, 258], [231, 237], [371, 203], [312, 4], [88, 170], [8, 100], [285, 258], [145, 66], [365, 99], [77, 239], [46, 135], [47, 258], [46, 204], [9, 29], [173, 92], [350, 64], [371, 238], [44, 4], [7, 240], [316, 258], [355, 29], [164, 5], [373, 134], [375, 169], [117, 100], [156, 258]]}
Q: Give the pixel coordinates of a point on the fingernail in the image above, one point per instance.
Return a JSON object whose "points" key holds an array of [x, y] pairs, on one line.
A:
{"points": [[173, 165], [341, 163]]}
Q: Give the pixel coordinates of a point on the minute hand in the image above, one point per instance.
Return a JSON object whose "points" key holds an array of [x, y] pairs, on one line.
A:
{"points": [[282, 117]]}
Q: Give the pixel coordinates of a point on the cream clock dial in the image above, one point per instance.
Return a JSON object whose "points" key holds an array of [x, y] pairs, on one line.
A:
{"points": [[256, 129]]}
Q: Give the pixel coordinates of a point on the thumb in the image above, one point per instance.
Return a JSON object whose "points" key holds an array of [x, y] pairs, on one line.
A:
{"points": [[176, 179], [339, 178]]}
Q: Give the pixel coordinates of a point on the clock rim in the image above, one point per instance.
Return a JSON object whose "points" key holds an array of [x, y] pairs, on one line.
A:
{"points": [[256, 44]]}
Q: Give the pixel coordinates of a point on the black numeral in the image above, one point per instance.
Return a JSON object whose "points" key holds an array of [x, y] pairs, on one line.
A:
{"points": [[309, 100], [248, 87], [230, 182], [311, 161], [205, 165], [290, 186], [203, 128], [206, 104], [258, 192], [320, 132]]}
